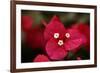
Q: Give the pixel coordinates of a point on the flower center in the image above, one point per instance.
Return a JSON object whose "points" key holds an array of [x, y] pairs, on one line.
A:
{"points": [[67, 35], [60, 42], [56, 35]]}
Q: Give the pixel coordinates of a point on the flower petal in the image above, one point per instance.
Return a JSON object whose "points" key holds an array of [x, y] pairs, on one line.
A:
{"points": [[75, 41], [35, 38], [26, 22], [73, 44], [55, 51], [55, 26], [41, 58], [85, 30], [75, 34]]}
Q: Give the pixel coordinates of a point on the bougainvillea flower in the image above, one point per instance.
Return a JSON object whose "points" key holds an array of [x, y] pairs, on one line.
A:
{"points": [[35, 37], [85, 30], [26, 22], [41, 58], [61, 40]]}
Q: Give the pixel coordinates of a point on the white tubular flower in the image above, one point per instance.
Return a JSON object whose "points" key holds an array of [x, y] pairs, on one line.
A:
{"points": [[56, 35], [67, 35], [60, 42]]}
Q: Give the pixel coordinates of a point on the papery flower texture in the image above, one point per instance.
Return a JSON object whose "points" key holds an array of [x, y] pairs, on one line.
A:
{"points": [[61, 40]]}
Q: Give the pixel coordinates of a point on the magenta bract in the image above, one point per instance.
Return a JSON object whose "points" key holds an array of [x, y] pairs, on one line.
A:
{"points": [[26, 23], [61, 40]]}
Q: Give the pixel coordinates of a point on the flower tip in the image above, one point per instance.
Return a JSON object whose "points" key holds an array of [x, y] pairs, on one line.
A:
{"points": [[55, 18]]}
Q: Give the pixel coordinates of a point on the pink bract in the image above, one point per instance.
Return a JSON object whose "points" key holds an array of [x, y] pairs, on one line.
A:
{"points": [[35, 38], [58, 48], [75, 41], [54, 26], [26, 22], [54, 51], [85, 30], [41, 58]]}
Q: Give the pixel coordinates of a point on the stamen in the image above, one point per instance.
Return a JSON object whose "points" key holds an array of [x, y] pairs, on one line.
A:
{"points": [[67, 35], [56, 35], [60, 42]]}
